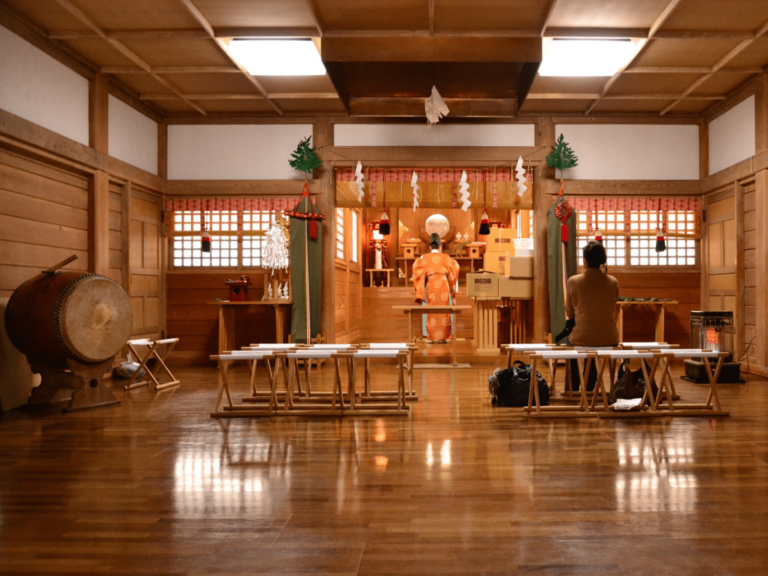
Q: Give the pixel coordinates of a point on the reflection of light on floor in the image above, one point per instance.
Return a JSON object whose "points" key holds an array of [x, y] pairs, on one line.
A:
{"points": [[381, 433], [381, 462], [445, 453], [203, 482], [655, 486], [430, 457]]}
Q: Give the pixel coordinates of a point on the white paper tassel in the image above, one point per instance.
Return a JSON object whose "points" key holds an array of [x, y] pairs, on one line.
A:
{"points": [[415, 186], [359, 180], [520, 176], [435, 107], [464, 192], [275, 251]]}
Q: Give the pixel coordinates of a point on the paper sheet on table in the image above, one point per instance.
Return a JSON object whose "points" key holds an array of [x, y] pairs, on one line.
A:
{"points": [[622, 404]]}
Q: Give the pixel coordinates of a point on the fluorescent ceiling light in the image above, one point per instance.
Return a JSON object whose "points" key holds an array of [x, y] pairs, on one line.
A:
{"points": [[278, 57], [582, 57]]}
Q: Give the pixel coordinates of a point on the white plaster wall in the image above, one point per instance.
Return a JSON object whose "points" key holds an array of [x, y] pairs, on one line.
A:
{"points": [[132, 136], [39, 89], [217, 152], [439, 135], [633, 151], [732, 136]]}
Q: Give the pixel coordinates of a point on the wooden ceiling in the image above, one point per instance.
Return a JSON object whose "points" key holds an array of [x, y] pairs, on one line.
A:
{"points": [[173, 54]]}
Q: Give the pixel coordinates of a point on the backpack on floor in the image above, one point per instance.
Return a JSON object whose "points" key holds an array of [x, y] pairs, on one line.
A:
{"points": [[630, 384], [510, 387]]}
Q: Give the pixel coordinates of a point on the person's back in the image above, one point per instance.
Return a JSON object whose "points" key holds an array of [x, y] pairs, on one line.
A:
{"points": [[591, 302]]}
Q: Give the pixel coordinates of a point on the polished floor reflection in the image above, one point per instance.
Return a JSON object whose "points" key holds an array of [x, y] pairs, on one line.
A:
{"points": [[156, 486]]}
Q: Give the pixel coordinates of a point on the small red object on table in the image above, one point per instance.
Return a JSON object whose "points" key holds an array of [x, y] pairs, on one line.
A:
{"points": [[238, 289]]}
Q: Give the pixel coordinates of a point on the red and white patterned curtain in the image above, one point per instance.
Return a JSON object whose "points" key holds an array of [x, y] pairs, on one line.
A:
{"points": [[229, 204], [629, 204]]}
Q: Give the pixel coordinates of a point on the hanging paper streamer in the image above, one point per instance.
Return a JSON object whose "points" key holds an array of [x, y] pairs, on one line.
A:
{"points": [[464, 192], [415, 186], [275, 248], [520, 176], [360, 182]]}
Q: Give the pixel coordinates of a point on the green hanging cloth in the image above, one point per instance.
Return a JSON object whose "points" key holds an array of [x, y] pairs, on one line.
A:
{"points": [[306, 269], [561, 259]]}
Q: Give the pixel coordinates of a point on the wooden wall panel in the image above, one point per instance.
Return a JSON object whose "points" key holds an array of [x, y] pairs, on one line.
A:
{"points": [[115, 232], [348, 279], [750, 264], [146, 263], [195, 322], [43, 219]]}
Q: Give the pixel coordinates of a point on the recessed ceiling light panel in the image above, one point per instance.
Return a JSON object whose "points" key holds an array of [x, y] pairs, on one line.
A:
{"points": [[278, 57], [586, 57]]}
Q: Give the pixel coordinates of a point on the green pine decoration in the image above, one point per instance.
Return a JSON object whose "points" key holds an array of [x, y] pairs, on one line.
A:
{"points": [[562, 156], [305, 159]]}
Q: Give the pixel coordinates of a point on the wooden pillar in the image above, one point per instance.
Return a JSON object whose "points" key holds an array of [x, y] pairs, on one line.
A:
{"points": [[162, 149], [98, 114], [545, 135], [98, 223], [761, 113], [322, 135], [125, 237], [740, 280], [761, 242], [703, 149]]}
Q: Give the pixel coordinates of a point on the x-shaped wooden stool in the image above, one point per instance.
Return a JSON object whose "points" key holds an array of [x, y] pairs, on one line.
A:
{"points": [[152, 352]]}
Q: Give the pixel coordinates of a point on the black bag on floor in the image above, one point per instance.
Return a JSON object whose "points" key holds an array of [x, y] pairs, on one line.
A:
{"points": [[630, 384], [510, 387], [576, 376]]}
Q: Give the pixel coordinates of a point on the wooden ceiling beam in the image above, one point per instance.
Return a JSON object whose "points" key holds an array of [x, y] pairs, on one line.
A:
{"points": [[414, 107], [250, 32], [581, 32], [127, 70], [127, 34], [689, 70], [426, 34], [223, 45], [431, 9], [551, 10], [585, 96], [315, 13], [658, 23], [743, 45], [246, 96], [125, 51]]}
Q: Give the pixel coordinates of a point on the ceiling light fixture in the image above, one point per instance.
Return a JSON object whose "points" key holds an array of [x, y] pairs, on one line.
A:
{"points": [[587, 57], [278, 57]]}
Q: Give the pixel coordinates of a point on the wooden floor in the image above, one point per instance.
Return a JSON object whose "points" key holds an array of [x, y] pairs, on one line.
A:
{"points": [[155, 486]]}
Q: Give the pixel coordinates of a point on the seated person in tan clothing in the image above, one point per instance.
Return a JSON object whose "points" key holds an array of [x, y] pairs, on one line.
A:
{"points": [[590, 301]]}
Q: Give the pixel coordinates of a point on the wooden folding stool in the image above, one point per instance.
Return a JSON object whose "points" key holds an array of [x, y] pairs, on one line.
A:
{"points": [[608, 359], [232, 410], [257, 395], [712, 406], [656, 346], [311, 405], [563, 411], [151, 375], [368, 394], [385, 405]]}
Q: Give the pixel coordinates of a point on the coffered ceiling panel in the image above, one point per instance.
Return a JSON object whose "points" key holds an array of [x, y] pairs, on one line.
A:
{"points": [[559, 85], [137, 14], [212, 83], [144, 84], [179, 52], [693, 106], [538, 106], [755, 55], [375, 15], [718, 15], [47, 13], [606, 13], [685, 52], [490, 15], [99, 52], [652, 83], [624, 106], [722, 83], [260, 14]]}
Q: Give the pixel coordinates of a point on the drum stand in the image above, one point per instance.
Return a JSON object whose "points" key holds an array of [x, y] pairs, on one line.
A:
{"points": [[85, 380]]}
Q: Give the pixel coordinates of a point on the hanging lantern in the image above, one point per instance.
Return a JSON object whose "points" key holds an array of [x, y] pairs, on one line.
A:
{"points": [[661, 244], [384, 224], [205, 238], [599, 236], [485, 229]]}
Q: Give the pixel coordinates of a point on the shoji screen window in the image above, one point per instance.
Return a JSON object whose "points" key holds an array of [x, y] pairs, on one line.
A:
{"points": [[681, 239], [611, 226], [255, 226]]}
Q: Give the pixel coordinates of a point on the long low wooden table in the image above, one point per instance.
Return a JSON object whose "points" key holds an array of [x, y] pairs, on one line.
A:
{"points": [[658, 310], [437, 309], [227, 320]]}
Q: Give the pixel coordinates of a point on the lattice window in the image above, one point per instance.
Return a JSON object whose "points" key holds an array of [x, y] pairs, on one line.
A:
{"points": [[606, 221], [683, 222], [236, 238], [615, 249], [340, 233], [679, 252]]}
